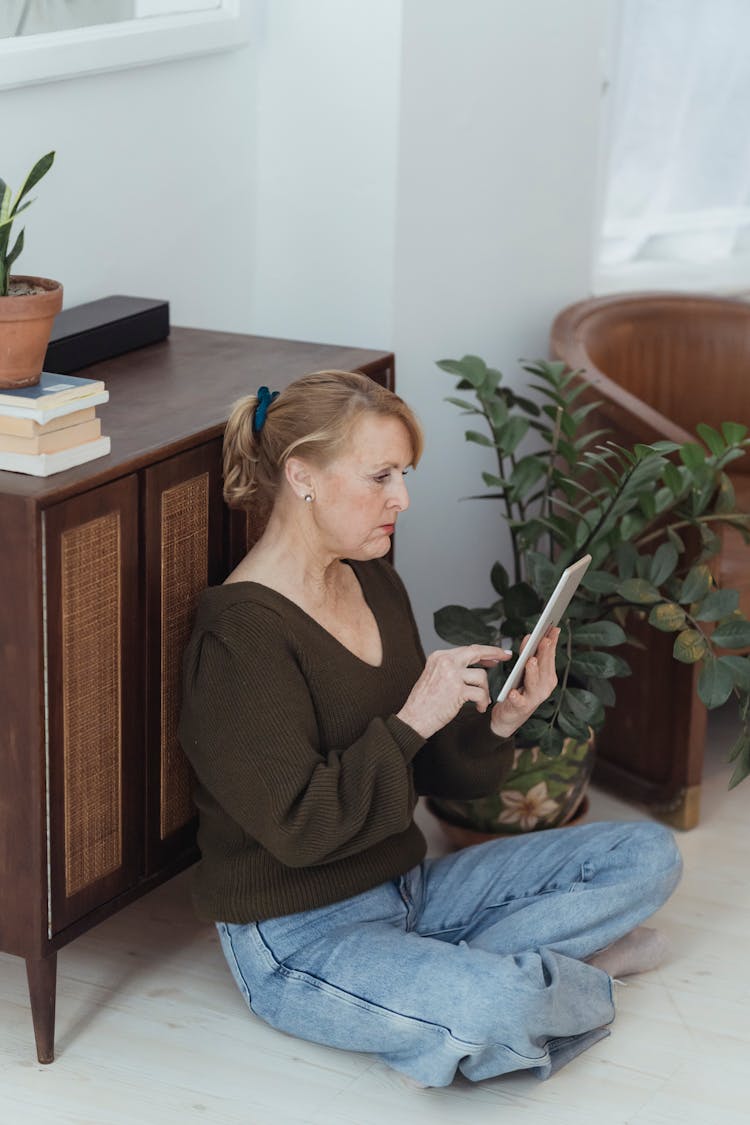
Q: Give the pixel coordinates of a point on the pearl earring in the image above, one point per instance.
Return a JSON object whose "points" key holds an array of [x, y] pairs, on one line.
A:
{"points": [[308, 499]]}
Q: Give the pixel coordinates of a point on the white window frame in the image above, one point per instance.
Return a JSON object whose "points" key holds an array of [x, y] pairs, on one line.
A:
{"points": [[31, 59]]}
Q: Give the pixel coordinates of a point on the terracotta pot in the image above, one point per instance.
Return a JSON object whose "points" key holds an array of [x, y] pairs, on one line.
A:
{"points": [[25, 326]]}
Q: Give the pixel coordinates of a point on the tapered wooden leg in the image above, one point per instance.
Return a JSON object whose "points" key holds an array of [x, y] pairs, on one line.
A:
{"points": [[42, 977]]}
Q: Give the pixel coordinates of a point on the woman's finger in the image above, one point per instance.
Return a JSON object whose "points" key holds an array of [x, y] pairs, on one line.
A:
{"points": [[479, 654], [478, 695]]}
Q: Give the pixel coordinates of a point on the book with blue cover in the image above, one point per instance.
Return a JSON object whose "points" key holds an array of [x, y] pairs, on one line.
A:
{"points": [[51, 390]]}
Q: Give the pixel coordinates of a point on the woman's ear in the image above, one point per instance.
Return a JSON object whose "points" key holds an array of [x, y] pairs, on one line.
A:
{"points": [[299, 477]]}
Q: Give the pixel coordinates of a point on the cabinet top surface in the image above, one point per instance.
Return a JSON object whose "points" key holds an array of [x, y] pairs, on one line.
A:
{"points": [[179, 392]]}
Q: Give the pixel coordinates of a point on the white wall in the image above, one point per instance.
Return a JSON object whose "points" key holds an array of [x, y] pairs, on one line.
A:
{"points": [[326, 171], [152, 190], [409, 174], [499, 134]]}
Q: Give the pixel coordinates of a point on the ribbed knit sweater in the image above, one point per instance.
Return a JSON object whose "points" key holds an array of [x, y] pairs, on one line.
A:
{"points": [[306, 781]]}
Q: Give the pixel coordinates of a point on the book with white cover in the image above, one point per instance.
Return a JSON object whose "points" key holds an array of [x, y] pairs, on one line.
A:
{"points": [[43, 414], [45, 464]]}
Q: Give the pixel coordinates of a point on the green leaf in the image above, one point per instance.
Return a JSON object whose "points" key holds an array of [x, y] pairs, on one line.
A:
{"points": [[5, 197], [601, 664], [603, 691], [711, 542], [498, 413], [733, 432], [664, 446], [599, 582], [627, 557], [463, 403], [474, 369], [492, 379], [668, 617], [742, 754], [734, 633], [480, 439], [715, 684], [689, 646], [693, 456], [631, 525], [638, 591], [499, 579], [739, 666], [664, 500], [542, 572], [461, 626], [551, 742], [584, 705], [647, 504], [571, 726], [712, 439], [17, 248], [726, 500], [494, 482], [522, 601], [606, 634], [532, 731], [717, 604], [675, 540], [696, 585], [512, 433], [663, 564], [40, 169], [526, 473], [672, 478]]}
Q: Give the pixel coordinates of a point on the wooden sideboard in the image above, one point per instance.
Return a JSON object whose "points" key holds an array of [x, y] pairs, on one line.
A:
{"points": [[100, 567]]}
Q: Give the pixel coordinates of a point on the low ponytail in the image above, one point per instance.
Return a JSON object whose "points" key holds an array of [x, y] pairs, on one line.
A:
{"points": [[243, 475]]}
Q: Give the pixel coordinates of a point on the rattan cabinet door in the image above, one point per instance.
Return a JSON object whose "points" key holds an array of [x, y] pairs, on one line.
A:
{"points": [[93, 658], [184, 539]]}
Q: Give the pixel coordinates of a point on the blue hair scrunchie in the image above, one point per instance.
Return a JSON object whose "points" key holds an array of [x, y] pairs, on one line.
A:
{"points": [[265, 398]]}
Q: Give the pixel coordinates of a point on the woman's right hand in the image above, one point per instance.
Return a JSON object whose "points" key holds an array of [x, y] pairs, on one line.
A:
{"points": [[450, 679]]}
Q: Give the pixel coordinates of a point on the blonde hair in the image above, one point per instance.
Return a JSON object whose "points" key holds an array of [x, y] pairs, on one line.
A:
{"points": [[312, 418]]}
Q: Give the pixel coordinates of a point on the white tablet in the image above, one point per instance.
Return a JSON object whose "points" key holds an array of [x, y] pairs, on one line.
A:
{"points": [[550, 616]]}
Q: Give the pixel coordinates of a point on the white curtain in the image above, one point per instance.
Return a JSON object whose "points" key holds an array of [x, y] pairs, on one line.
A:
{"points": [[678, 177]]}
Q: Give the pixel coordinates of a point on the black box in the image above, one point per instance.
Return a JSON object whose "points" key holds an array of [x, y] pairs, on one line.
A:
{"points": [[111, 326]]}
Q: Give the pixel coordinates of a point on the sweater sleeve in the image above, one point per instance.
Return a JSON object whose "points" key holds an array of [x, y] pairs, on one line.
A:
{"points": [[465, 759], [249, 729]]}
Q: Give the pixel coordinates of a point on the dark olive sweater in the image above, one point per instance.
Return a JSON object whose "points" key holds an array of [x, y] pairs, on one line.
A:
{"points": [[306, 781]]}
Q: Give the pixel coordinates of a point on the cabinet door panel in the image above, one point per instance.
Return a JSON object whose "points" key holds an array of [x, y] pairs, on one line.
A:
{"points": [[94, 656], [184, 553]]}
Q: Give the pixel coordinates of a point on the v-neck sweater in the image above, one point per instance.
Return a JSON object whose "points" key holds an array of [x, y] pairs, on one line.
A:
{"points": [[305, 779]]}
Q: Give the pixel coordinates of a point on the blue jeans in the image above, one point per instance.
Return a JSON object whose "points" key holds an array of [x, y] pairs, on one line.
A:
{"points": [[473, 961]]}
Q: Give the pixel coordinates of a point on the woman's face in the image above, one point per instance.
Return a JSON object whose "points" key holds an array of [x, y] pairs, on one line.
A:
{"points": [[359, 495]]}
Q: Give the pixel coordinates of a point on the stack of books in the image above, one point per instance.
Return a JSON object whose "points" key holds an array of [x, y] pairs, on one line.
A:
{"points": [[51, 426]]}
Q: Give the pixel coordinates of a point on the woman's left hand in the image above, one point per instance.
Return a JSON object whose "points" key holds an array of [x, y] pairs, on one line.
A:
{"points": [[539, 680]]}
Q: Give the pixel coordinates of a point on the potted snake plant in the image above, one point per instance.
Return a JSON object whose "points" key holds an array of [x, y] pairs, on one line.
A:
{"points": [[28, 305], [649, 517]]}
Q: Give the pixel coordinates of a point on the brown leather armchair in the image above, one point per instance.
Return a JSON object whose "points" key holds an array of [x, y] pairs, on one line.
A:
{"points": [[658, 364]]}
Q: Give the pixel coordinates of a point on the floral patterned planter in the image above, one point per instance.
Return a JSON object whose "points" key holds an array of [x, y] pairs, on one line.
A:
{"points": [[539, 792]]}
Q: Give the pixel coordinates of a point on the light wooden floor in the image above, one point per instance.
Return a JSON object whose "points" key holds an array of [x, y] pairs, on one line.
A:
{"points": [[151, 1030]]}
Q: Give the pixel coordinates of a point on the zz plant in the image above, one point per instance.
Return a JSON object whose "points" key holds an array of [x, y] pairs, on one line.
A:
{"points": [[649, 518], [10, 209]]}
